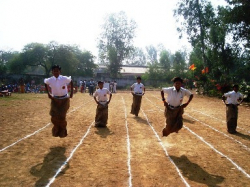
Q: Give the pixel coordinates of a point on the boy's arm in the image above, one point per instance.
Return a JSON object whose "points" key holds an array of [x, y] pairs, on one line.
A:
{"points": [[224, 97], [46, 88], [187, 92], [163, 98], [71, 89], [189, 100], [96, 100], [240, 100], [132, 89], [110, 96]]}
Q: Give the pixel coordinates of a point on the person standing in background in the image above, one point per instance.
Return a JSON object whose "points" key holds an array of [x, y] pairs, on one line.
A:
{"points": [[234, 98], [22, 85], [115, 84], [91, 87]]}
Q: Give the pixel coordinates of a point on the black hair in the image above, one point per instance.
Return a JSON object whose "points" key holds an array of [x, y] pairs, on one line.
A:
{"points": [[138, 78], [56, 66], [175, 79], [235, 86]]}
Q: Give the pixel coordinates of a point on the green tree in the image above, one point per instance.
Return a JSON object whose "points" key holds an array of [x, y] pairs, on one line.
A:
{"points": [[137, 57], [86, 64], [116, 41], [165, 64], [152, 54], [37, 57], [36, 54], [5, 58], [16, 64], [238, 18], [222, 55], [153, 72], [197, 15], [66, 58], [179, 65]]}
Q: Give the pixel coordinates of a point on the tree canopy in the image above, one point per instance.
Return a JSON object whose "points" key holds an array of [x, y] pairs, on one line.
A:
{"points": [[116, 41], [39, 58], [217, 59]]}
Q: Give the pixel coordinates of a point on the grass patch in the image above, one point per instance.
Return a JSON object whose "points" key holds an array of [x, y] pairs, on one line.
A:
{"points": [[7, 100]]}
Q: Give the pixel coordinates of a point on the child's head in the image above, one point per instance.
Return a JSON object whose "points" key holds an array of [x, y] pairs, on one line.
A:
{"points": [[100, 84], [138, 79], [177, 82], [56, 70], [236, 87]]}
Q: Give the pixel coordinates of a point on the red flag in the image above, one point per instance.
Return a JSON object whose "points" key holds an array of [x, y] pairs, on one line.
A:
{"points": [[206, 70], [191, 67]]}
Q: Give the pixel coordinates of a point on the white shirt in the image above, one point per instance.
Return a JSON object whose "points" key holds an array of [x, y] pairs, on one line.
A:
{"points": [[101, 95], [58, 85], [175, 98], [232, 97], [138, 88]]}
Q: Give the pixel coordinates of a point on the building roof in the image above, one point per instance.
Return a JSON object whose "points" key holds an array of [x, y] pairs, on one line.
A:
{"points": [[126, 69], [133, 69]]}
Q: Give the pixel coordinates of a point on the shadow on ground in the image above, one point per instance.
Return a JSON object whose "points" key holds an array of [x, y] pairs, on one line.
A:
{"points": [[141, 120], [188, 121], [194, 172], [104, 132], [51, 163], [244, 136]]}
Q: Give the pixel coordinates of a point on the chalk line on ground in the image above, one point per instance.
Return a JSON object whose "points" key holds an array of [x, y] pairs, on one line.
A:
{"points": [[29, 135], [70, 156], [166, 153], [217, 151], [128, 146]]}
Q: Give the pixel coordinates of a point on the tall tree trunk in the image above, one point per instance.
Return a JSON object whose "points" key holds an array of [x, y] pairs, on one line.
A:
{"points": [[202, 33]]}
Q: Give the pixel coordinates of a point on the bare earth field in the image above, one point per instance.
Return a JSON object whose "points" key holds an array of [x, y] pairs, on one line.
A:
{"points": [[130, 152]]}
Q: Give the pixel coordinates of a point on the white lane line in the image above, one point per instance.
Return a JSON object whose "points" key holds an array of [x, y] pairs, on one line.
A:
{"points": [[238, 167], [160, 142], [29, 135], [246, 147], [128, 146], [154, 104], [209, 116], [24, 137], [152, 111], [70, 156], [218, 119]]}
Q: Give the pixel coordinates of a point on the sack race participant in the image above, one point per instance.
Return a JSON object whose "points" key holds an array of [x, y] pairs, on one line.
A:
{"points": [[174, 108], [59, 100], [234, 98], [102, 101], [137, 90]]}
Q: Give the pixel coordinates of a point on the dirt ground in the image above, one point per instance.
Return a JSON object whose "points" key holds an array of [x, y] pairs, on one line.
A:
{"points": [[130, 152]]}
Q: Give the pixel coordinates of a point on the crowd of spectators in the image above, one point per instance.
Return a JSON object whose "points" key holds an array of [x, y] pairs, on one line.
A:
{"points": [[84, 86]]}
